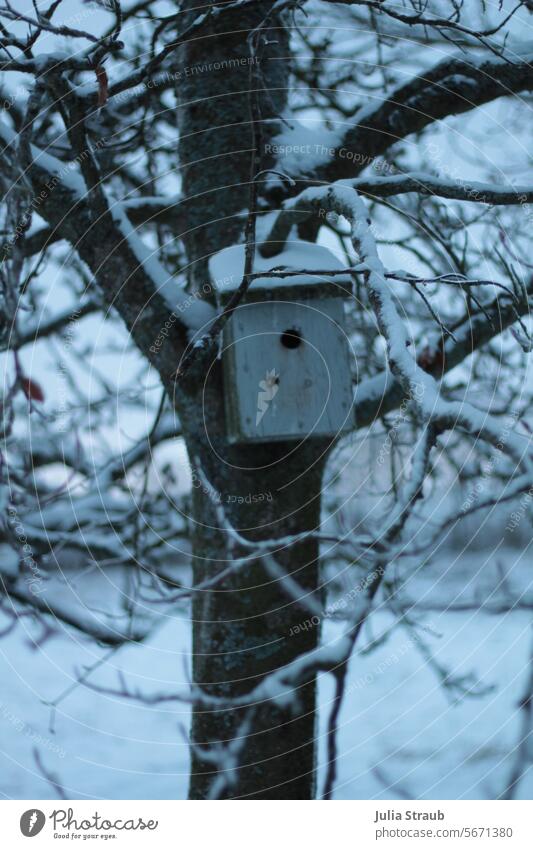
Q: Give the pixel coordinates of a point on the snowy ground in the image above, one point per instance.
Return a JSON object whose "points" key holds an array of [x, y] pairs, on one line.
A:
{"points": [[400, 735]]}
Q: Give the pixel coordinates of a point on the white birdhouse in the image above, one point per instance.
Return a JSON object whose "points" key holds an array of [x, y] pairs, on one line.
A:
{"points": [[285, 353]]}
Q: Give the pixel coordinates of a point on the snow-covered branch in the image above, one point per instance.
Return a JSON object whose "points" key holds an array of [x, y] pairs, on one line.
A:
{"points": [[453, 86]]}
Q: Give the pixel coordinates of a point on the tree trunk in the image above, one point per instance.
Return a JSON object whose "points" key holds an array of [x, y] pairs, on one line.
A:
{"points": [[250, 625], [242, 628]]}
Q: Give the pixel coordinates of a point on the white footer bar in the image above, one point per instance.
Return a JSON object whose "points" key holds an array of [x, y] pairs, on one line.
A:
{"points": [[264, 825]]}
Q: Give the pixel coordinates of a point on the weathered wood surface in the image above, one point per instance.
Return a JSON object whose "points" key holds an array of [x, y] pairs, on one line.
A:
{"points": [[288, 365]]}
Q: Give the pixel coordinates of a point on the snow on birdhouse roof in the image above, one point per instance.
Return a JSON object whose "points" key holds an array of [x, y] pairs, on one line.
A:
{"points": [[227, 267]]}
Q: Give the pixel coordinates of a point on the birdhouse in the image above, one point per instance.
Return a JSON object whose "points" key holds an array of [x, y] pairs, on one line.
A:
{"points": [[286, 366]]}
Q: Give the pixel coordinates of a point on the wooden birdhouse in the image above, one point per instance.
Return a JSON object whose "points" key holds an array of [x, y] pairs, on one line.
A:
{"points": [[285, 353]]}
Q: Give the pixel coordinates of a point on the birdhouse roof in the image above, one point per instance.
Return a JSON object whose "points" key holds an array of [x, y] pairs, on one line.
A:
{"points": [[227, 267]]}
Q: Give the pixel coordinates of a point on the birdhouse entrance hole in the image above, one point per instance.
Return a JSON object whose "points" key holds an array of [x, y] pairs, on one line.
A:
{"points": [[291, 338]]}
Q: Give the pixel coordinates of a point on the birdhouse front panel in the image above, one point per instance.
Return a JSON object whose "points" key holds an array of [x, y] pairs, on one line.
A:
{"points": [[288, 360]]}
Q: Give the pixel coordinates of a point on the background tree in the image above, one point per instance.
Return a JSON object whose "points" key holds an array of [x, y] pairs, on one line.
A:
{"points": [[137, 145]]}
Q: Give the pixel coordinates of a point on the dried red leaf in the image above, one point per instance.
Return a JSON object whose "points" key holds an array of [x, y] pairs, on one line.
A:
{"points": [[31, 389], [431, 359], [101, 78]]}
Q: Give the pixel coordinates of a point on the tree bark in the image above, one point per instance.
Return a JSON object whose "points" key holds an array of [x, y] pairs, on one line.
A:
{"points": [[250, 625], [218, 74]]}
